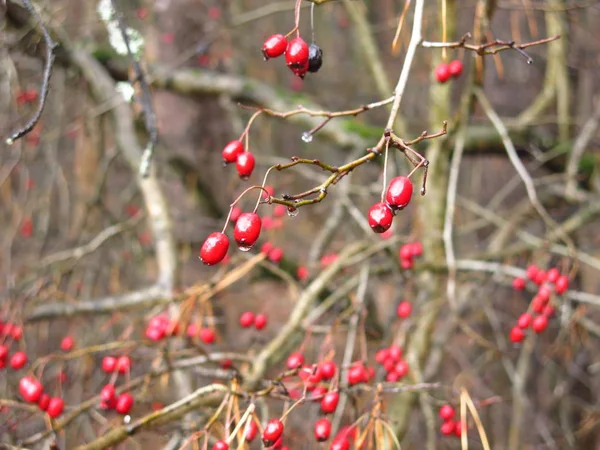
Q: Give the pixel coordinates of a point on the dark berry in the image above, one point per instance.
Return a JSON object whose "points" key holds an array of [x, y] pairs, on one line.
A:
{"points": [[315, 57]]}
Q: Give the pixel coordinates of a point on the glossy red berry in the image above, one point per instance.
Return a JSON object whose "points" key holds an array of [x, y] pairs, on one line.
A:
{"points": [[524, 321], [260, 321], [214, 248], [442, 73], [544, 293], [231, 151], [43, 402], [399, 193], [124, 403], [392, 377], [30, 389], [109, 364], [404, 309], [207, 335], [562, 284], [297, 52], [407, 263], [251, 430], [295, 360], [247, 230], [123, 364], [247, 319], [67, 343], [3, 351], [380, 217], [108, 395], [357, 373], [322, 429], [245, 165], [55, 407], [416, 249], [532, 271], [401, 368], [275, 255], [330, 402], [447, 428], [274, 46], [395, 353], [328, 370], [340, 443], [455, 68], [17, 332], [548, 311], [537, 304], [518, 284], [539, 323], [552, 275], [18, 360], [220, 445], [458, 429], [272, 432], [540, 277], [516, 334], [382, 355], [447, 412], [302, 273]]}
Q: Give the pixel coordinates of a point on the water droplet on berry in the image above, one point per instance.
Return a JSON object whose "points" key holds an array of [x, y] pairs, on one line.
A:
{"points": [[127, 419], [292, 212], [307, 137], [9, 141], [244, 178], [245, 248]]}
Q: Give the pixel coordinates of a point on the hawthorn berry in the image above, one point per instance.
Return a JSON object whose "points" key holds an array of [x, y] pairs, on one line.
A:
{"points": [[295, 360], [544, 293], [532, 271], [297, 53], [416, 249], [109, 364], [401, 368], [446, 412], [274, 46], [214, 248], [275, 255], [516, 334], [315, 57], [537, 304], [380, 217], [328, 369], [329, 402], [108, 395], [251, 431], [548, 311], [518, 284], [231, 151], [247, 319], [540, 277], [552, 275], [399, 192], [404, 309], [245, 165], [407, 263], [562, 284], [395, 353], [539, 323], [302, 273], [124, 403], [55, 407], [382, 355], [192, 330], [247, 230], [442, 73], [260, 321], [322, 429], [318, 393], [236, 212], [392, 377], [524, 321], [3, 352], [43, 402], [455, 68], [272, 432], [17, 332], [207, 335], [447, 428], [220, 445], [67, 343], [340, 443], [30, 389], [357, 373], [458, 429], [18, 360], [123, 364]]}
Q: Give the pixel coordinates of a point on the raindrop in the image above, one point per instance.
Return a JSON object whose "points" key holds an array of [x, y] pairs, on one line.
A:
{"points": [[307, 137], [245, 248], [127, 419], [292, 212], [9, 141]]}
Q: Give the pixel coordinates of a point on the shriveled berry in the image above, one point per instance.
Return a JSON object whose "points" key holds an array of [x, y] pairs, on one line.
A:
{"points": [[214, 248], [55, 407], [455, 68], [380, 217], [247, 230], [245, 165], [247, 319], [274, 46], [539, 323], [231, 151], [272, 432], [124, 403], [446, 412], [516, 334], [315, 57], [399, 193], [442, 73], [295, 360], [322, 429], [329, 402]]}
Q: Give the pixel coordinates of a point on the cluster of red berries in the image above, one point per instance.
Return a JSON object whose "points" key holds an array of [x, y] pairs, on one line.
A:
{"points": [[112, 364], [397, 197], [549, 283], [110, 400], [274, 254], [160, 327], [299, 56], [408, 253], [15, 333], [248, 318], [450, 425], [234, 152], [444, 71], [390, 359], [33, 392]]}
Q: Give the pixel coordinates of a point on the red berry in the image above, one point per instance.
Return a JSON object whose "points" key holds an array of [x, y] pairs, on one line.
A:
{"points": [[380, 217], [329, 402], [532, 271], [123, 364], [416, 249], [245, 165], [458, 429], [232, 151], [302, 273], [524, 321], [395, 353], [539, 323], [236, 212], [314, 375], [124, 403], [154, 333], [446, 412], [562, 284], [548, 311], [544, 293], [399, 192], [328, 370], [552, 275], [518, 284], [272, 432], [3, 352], [214, 248], [340, 443], [318, 393], [404, 309], [207, 335], [30, 389], [357, 374], [516, 334], [401, 369], [247, 230], [247, 319], [295, 360], [43, 402], [17, 332], [296, 55], [260, 321], [67, 343], [220, 445], [455, 68], [279, 211], [274, 46], [109, 364], [18, 360], [108, 395], [540, 277], [382, 355], [322, 429], [266, 247], [275, 255], [447, 428], [392, 377], [537, 304], [251, 431], [405, 252], [389, 364], [442, 73], [55, 407], [192, 330]]}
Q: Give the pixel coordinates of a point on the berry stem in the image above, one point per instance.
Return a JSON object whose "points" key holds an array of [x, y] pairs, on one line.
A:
{"points": [[245, 418], [238, 199], [312, 22], [444, 30], [245, 132], [385, 163]]}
